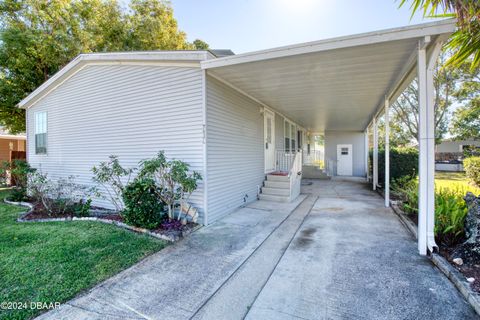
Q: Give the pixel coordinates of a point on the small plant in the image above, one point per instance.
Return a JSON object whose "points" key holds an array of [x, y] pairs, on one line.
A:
{"points": [[450, 213], [113, 178], [407, 188], [142, 208], [173, 179], [59, 197], [472, 169]]}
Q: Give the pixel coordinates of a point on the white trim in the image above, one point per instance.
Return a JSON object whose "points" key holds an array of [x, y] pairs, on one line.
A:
{"points": [[409, 32], [205, 167], [12, 137], [188, 59]]}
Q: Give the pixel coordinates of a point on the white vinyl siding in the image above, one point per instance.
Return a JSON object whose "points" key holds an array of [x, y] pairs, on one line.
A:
{"points": [[235, 154], [131, 111]]}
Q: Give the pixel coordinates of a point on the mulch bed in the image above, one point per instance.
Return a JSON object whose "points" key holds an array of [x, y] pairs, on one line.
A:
{"points": [[469, 269], [170, 229]]}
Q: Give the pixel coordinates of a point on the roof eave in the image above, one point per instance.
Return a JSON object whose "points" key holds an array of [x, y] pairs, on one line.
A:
{"points": [[446, 26]]}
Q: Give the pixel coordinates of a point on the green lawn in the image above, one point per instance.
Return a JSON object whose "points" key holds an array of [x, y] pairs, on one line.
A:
{"points": [[49, 262], [455, 181]]}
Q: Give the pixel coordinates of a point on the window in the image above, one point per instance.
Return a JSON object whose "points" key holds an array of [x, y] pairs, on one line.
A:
{"points": [[41, 132], [293, 132], [345, 151], [287, 136]]}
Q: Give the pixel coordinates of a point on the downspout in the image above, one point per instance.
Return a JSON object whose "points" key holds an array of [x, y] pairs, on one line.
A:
{"points": [[431, 244]]}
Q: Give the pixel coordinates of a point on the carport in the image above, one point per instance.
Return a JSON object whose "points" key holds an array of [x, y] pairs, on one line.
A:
{"points": [[345, 85]]}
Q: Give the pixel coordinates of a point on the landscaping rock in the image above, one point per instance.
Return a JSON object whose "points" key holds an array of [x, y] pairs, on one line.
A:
{"points": [[458, 261], [469, 250], [471, 280]]}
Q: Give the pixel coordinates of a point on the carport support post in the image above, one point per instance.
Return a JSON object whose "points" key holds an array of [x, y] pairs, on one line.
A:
{"points": [[426, 139], [367, 150], [387, 154], [375, 153]]}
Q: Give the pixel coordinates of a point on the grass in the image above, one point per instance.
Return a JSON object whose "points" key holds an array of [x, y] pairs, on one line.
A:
{"points": [[53, 262], [455, 181]]}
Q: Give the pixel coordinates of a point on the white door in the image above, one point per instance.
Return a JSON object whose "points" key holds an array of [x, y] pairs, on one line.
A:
{"points": [[344, 160], [269, 133]]}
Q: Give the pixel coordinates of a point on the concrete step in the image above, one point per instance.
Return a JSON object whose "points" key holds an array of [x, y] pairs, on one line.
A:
{"points": [[270, 197], [276, 191], [271, 177], [277, 184]]}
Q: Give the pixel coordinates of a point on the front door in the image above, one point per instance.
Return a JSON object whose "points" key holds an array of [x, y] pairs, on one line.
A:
{"points": [[344, 160], [269, 135]]}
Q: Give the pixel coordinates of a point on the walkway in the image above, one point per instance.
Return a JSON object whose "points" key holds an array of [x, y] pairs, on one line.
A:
{"points": [[335, 253]]}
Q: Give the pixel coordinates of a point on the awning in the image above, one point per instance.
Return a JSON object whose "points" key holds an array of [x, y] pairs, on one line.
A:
{"points": [[335, 84]]}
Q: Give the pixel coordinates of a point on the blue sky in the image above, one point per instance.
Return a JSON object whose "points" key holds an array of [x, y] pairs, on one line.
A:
{"points": [[249, 25]]}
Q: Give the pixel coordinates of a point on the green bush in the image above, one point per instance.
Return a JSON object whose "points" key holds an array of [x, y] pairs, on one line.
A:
{"points": [[450, 209], [403, 163], [142, 207], [450, 213], [472, 169], [407, 189], [20, 171]]}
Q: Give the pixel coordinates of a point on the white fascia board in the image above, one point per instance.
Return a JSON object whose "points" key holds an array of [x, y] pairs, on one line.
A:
{"points": [[446, 26], [12, 137], [160, 58]]}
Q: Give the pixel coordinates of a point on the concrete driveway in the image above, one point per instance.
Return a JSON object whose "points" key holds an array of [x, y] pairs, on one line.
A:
{"points": [[335, 253]]}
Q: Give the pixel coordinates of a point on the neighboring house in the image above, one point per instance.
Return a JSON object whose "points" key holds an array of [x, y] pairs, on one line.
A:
{"points": [[11, 144], [234, 118], [449, 154], [453, 146]]}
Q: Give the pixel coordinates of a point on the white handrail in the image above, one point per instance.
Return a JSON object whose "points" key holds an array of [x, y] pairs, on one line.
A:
{"points": [[295, 175]]}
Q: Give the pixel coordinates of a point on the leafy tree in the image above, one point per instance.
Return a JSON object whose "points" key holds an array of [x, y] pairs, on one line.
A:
{"points": [[152, 27], [200, 45], [466, 119], [38, 37], [465, 42], [405, 109]]}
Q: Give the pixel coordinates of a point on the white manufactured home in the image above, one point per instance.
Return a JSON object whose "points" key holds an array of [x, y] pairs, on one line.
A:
{"points": [[237, 118]]}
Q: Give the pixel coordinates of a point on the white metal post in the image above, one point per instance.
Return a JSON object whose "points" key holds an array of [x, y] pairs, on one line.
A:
{"points": [[387, 154], [430, 139], [375, 154], [423, 149], [367, 150]]}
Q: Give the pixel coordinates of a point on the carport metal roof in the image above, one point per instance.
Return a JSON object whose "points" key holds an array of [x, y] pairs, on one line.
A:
{"points": [[335, 84]]}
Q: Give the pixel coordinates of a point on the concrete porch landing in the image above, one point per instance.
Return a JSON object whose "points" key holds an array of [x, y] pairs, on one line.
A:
{"points": [[335, 253]]}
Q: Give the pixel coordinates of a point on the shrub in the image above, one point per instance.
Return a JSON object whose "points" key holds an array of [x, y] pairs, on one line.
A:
{"points": [[59, 197], [19, 174], [407, 188], [113, 178], [142, 207], [472, 169], [450, 213], [173, 179], [403, 162]]}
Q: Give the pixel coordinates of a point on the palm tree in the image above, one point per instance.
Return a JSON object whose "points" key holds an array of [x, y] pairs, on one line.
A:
{"points": [[465, 41]]}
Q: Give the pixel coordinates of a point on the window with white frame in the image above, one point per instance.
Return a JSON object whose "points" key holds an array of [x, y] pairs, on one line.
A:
{"points": [[290, 133], [41, 132], [287, 136]]}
